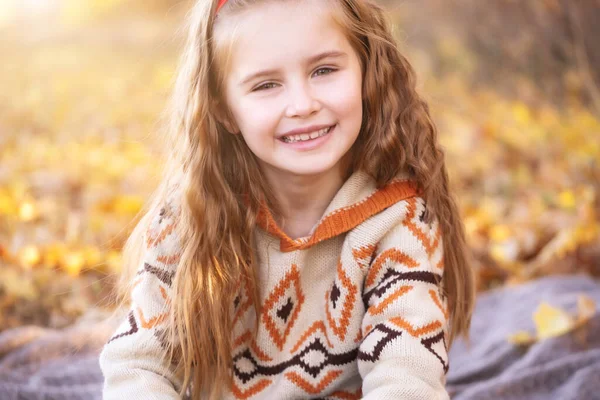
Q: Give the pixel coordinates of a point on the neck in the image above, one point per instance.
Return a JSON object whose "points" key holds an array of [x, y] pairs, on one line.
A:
{"points": [[303, 199]]}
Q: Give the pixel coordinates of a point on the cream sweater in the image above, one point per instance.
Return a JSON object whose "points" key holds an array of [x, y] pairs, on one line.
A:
{"points": [[353, 311]]}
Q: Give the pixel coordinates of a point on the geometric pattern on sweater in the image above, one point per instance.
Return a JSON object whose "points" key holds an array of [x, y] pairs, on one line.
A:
{"points": [[371, 310], [156, 238], [393, 275], [157, 235], [310, 369], [281, 309], [438, 346], [241, 303], [382, 335], [375, 341], [339, 303], [364, 254], [312, 365], [144, 321], [387, 284], [428, 234], [253, 368], [133, 328]]}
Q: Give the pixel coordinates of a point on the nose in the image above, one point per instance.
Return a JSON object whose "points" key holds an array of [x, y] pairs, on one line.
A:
{"points": [[302, 102]]}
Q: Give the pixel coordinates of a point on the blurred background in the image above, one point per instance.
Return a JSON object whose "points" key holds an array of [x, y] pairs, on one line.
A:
{"points": [[514, 87]]}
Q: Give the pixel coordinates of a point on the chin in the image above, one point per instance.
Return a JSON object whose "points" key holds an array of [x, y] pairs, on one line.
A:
{"points": [[310, 170]]}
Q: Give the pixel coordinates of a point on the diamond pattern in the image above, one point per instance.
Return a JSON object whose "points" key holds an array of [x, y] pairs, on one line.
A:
{"points": [[339, 303], [241, 303], [309, 369], [282, 307]]}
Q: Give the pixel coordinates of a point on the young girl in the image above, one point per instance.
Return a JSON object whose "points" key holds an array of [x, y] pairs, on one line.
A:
{"points": [[303, 243]]}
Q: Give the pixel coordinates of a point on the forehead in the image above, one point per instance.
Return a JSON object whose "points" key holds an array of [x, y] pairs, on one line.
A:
{"points": [[277, 34]]}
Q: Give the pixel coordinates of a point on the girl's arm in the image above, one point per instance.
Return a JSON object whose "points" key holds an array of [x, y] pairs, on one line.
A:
{"points": [[403, 354], [132, 361]]}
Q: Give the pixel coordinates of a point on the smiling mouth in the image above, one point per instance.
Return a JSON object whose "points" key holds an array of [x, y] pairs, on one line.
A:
{"points": [[305, 137]]}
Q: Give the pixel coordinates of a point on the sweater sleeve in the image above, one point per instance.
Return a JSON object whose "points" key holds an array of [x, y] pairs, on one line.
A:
{"points": [[133, 361], [403, 354]]}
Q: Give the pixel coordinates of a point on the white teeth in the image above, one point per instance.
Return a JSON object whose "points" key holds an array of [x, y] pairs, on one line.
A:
{"points": [[305, 136]]}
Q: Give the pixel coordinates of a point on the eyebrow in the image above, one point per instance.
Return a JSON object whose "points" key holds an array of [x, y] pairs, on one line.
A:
{"points": [[311, 60]]}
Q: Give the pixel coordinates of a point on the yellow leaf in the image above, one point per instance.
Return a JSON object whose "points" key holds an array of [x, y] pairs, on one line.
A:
{"points": [[15, 284], [500, 233], [92, 256], [521, 113], [7, 204], [29, 256], [28, 211], [163, 76], [566, 199], [127, 205], [53, 254], [114, 261], [521, 338], [506, 253], [471, 226], [497, 253], [551, 321], [73, 262]]}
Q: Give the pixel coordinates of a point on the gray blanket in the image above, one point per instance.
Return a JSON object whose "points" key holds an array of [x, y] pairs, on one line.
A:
{"points": [[38, 363], [47, 364], [567, 367]]}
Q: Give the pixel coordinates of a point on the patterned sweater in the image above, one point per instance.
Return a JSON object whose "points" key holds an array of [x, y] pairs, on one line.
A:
{"points": [[353, 311]]}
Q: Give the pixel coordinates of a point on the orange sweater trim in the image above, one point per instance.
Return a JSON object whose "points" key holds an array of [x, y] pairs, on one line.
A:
{"points": [[343, 219]]}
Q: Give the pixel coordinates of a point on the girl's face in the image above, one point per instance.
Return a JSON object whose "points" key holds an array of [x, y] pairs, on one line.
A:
{"points": [[294, 87]]}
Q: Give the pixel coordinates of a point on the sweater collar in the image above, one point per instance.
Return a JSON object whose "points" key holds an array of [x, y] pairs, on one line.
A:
{"points": [[357, 200]]}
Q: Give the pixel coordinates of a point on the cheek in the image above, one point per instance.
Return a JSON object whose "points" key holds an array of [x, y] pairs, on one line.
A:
{"points": [[346, 96], [256, 118], [253, 116]]}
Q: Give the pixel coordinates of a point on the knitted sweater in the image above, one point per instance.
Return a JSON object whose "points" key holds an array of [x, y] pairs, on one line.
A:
{"points": [[353, 311]]}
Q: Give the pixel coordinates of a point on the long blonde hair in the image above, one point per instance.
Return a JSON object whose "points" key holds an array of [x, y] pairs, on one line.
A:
{"points": [[220, 186]]}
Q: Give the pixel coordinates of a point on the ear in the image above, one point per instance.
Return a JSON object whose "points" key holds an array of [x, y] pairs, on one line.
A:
{"points": [[225, 118]]}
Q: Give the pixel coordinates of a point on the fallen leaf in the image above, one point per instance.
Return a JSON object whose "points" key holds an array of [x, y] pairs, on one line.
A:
{"points": [[29, 256], [552, 321], [522, 338], [15, 284]]}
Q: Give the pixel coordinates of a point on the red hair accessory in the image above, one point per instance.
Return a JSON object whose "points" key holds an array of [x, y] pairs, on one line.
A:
{"points": [[221, 4]]}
